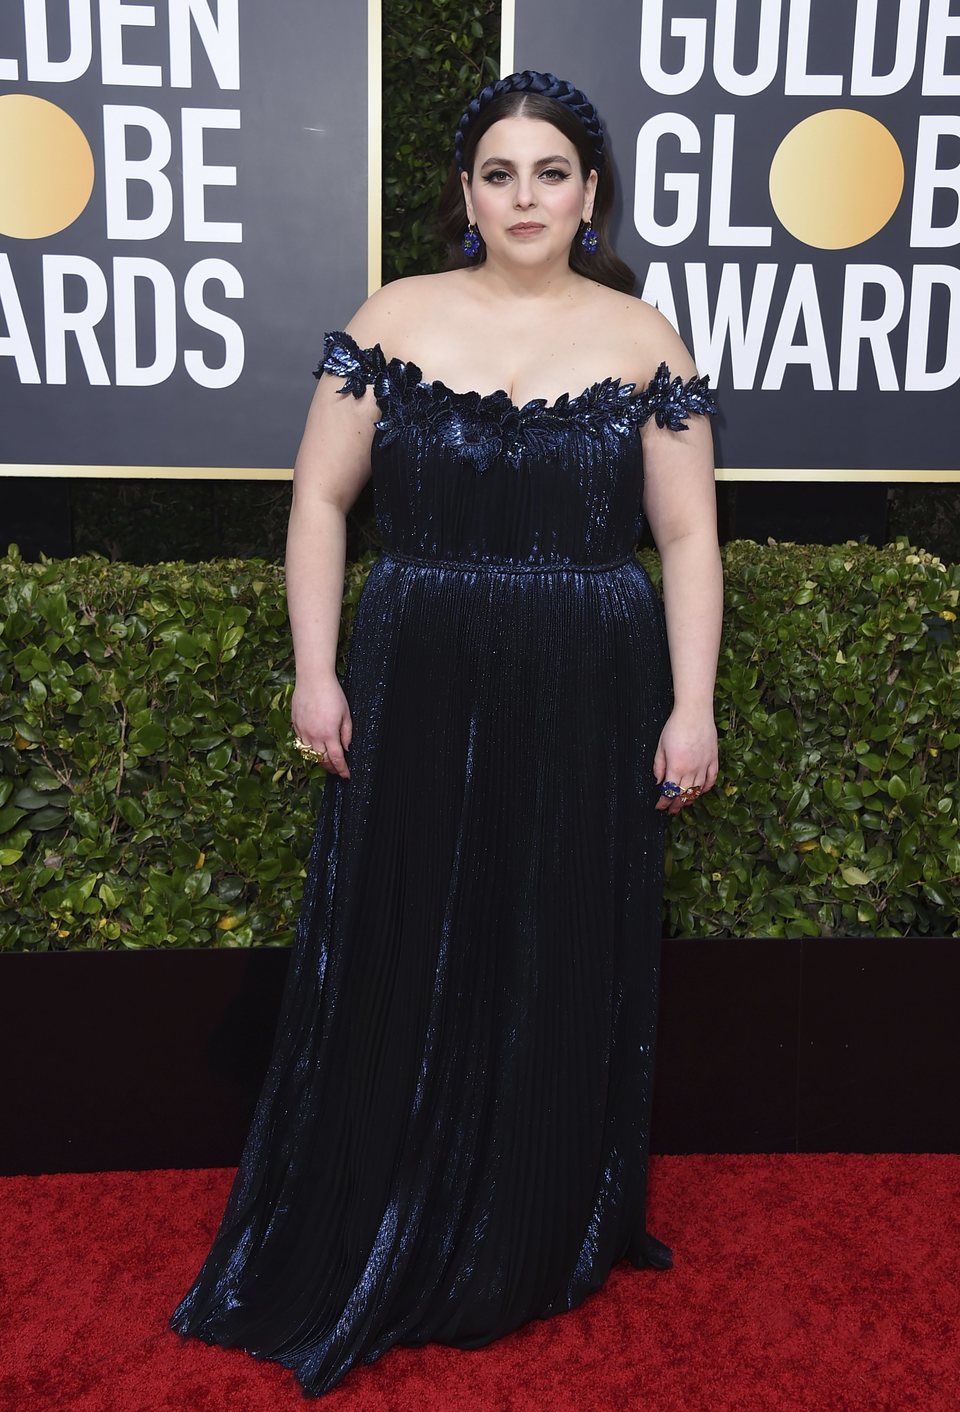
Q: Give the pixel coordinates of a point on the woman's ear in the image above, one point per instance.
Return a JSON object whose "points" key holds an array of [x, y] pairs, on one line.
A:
{"points": [[465, 183], [590, 193]]}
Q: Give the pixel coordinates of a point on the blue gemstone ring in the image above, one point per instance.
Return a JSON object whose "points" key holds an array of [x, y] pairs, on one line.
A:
{"points": [[670, 790]]}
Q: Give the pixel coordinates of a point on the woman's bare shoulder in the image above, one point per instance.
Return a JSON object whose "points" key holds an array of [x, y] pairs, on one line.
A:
{"points": [[395, 310], [646, 338]]}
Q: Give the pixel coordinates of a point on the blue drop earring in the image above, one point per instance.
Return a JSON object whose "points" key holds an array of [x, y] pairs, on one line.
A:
{"points": [[590, 240], [471, 241]]}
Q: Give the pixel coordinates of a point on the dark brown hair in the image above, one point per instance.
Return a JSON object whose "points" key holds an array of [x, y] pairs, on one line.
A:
{"points": [[604, 265]]}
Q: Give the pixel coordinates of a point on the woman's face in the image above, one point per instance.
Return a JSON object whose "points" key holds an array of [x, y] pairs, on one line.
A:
{"points": [[526, 173]]}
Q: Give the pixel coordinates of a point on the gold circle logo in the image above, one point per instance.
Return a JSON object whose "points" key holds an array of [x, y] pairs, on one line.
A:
{"points": [[46, 167], [836, 179]]}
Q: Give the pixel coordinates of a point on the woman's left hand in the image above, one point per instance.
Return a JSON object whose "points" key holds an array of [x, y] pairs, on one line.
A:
{"points": [[687, 754]]}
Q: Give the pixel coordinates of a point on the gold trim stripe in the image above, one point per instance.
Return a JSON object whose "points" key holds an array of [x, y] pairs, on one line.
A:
{"points": [[507, 24], [374, 146], [839, 476], [155, 472]]}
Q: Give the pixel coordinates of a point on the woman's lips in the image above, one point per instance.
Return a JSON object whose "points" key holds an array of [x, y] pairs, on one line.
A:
{"points": [[525, 229]]}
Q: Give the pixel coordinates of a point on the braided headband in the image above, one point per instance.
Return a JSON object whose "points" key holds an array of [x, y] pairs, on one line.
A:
{"points": [[529, 81]]}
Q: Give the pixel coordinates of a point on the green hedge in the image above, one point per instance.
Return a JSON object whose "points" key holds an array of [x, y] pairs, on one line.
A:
{"points": [[148, 792], [149, 795]]}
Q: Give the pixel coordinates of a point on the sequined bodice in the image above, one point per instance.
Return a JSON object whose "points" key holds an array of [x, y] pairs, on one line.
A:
{"points": [[460, 476]]}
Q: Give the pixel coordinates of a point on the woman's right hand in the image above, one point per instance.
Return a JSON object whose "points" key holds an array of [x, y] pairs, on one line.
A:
{"points": [[321, 718]]}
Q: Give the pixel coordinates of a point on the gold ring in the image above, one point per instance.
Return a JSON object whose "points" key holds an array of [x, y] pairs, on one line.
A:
{"points": [[307, 751]]}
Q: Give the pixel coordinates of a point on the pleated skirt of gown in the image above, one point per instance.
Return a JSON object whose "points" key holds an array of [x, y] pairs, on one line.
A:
{"points": [[452, 1137]]}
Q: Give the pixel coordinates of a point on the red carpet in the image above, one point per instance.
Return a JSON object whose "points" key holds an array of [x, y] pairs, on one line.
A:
{"points": [[810, 1281]]}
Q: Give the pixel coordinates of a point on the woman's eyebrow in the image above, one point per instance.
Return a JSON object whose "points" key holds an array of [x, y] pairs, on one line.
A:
{"points": [[506, 162]]}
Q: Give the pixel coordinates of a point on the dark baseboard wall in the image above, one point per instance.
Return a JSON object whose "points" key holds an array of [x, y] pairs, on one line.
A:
{"points": [[834, 1044], [137, 1060]]}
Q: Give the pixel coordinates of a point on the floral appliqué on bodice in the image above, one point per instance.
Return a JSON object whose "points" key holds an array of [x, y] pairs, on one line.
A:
{"points": [[491, 425]]}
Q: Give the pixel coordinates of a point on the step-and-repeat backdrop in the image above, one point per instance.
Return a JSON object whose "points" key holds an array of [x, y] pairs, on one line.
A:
{"points": [[189, 196], [789, 176]]}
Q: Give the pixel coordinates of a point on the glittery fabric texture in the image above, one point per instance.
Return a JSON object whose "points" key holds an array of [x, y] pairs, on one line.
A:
{"points": [[453, 1132]]}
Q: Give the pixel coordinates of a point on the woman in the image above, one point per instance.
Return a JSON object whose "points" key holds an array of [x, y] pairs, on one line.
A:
{"points": [[452, 1137]]}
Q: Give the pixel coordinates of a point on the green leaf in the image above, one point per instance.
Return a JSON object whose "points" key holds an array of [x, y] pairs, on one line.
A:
{"points": [[27, 798], [198, 883], [872, 760], [130, 810], [219, 757], [855, 877], [43, 778], [147, 739]]}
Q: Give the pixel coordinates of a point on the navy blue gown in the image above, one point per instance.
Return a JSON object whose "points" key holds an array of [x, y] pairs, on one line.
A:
{"points": [[452, 1136]]}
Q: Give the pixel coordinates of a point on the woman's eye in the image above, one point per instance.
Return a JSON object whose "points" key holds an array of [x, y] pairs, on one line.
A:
{"points": [[549, 172]]}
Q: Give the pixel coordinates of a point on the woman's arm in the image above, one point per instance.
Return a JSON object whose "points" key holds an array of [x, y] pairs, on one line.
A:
{"points": [[679, 501], [330, 470], [680, 504]]}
